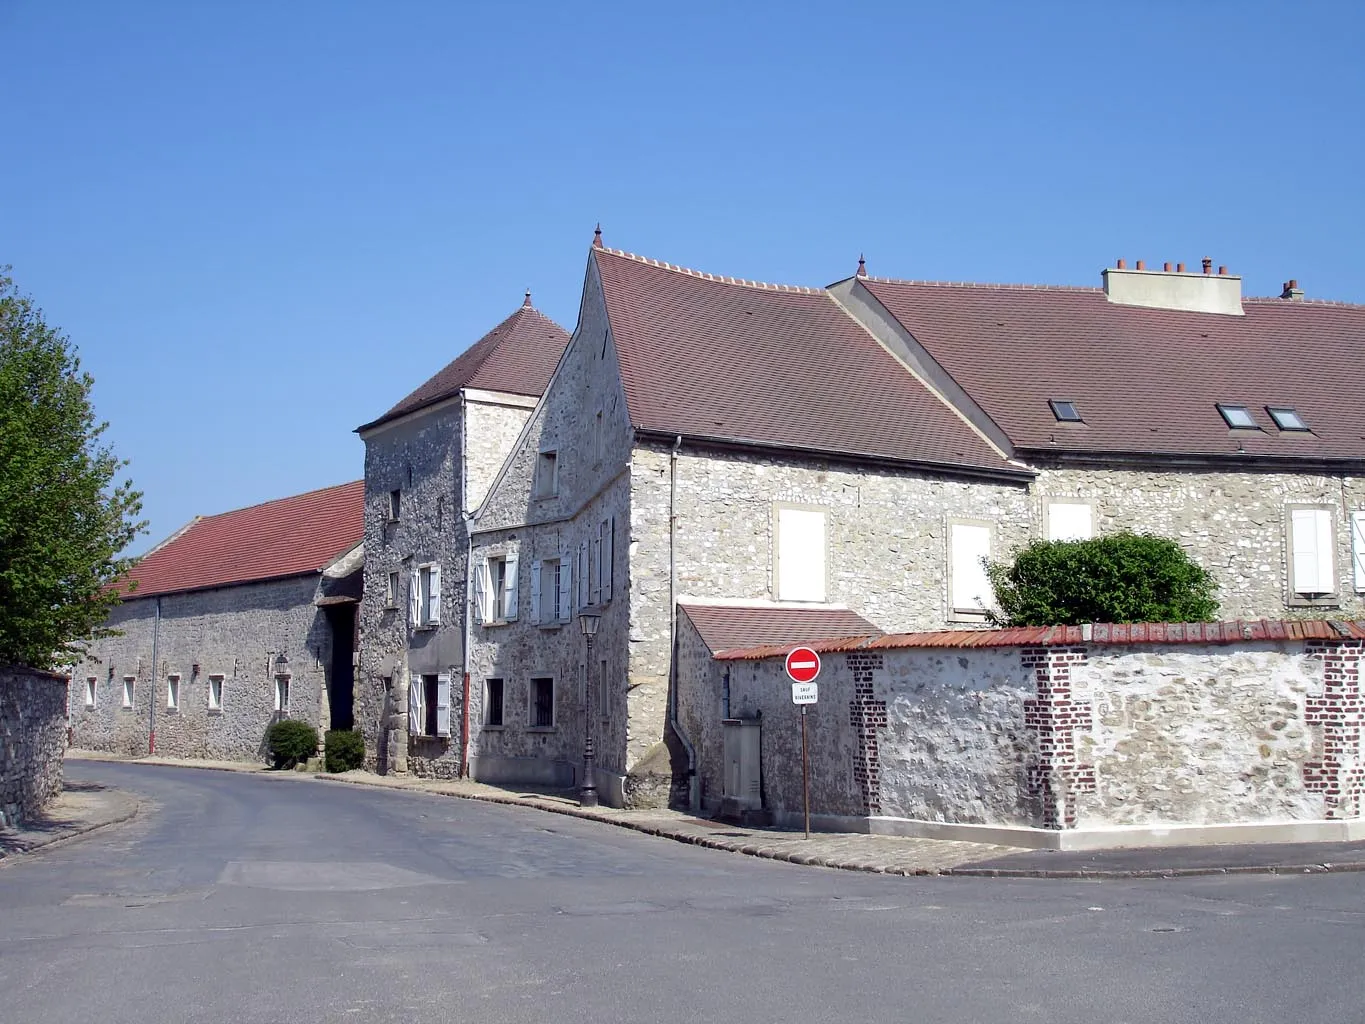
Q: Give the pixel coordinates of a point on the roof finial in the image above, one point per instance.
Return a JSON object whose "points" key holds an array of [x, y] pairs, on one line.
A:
{"points": [[526, 302], [597, 236], [862, 266]]}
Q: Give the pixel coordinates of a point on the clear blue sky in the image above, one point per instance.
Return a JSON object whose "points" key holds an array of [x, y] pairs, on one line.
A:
{"points": [[264, 223]]}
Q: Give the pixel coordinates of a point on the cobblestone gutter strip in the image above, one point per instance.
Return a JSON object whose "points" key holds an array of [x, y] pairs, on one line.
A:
{"points": [[847, 852]]}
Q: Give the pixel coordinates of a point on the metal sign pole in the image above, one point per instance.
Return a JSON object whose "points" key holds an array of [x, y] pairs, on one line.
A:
{"points": [[805, 772]]}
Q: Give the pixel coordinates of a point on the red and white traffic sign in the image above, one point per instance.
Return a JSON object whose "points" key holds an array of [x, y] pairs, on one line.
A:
{"points": [[803, 665]]}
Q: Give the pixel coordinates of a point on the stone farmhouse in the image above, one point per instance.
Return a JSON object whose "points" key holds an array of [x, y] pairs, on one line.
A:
{"points": [[234, 622]]}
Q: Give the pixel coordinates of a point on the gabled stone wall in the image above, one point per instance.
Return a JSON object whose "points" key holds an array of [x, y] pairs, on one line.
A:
{"points": [[32, 741]]}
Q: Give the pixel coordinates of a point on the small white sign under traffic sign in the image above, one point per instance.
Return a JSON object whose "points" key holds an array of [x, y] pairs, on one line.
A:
{"points": [[805, 693]]}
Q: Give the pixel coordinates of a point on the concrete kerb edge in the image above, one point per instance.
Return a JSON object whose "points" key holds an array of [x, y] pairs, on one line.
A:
{"points": [[76, 833]]}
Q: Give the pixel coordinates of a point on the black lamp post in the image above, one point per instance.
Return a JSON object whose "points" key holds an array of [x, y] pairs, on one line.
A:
{"points": [[587, 795]]}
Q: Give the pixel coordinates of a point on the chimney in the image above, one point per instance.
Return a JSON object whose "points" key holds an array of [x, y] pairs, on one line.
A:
{"points": [[1207, 292], [1292, 291]]}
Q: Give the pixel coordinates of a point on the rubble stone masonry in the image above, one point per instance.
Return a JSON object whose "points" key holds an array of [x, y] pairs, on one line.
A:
{"points": [[32, 741]]}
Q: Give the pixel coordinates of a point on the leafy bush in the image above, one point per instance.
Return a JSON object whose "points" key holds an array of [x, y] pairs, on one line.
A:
{"points": [[344, 750], [291, 742], [1124, 577]]}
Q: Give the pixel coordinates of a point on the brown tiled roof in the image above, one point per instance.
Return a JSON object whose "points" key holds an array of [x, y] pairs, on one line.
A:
{"points": [[517, 357], [1232, 632], [1145, 380], [288, 537], [739, 362], [726, 626]]}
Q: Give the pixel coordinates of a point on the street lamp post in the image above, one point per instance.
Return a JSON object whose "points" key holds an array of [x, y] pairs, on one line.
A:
{"points": [[587, 795]]}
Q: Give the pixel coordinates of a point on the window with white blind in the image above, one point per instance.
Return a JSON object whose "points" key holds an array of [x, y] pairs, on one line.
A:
{"points": [[800, 551], [969, 590], [90, 684], [424, 599], [1358, 548], [495, 590], [1070, 520], [1312, 550]]}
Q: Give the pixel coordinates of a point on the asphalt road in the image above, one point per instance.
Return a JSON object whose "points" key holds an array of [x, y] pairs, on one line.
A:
{"points": [[278, 899]]}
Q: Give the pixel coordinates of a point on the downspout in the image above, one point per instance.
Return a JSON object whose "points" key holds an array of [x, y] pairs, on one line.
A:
{"points": [[468, 587], [151, 715], [692, 788]]}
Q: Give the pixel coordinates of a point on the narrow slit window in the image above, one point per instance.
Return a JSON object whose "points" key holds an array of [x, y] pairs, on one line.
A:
{"points": [[1066, 412], [1286, 419], [1238, 417]]}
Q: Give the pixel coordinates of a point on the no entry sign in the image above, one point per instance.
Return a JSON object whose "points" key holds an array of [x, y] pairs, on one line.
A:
{"points": [[803, 665]]}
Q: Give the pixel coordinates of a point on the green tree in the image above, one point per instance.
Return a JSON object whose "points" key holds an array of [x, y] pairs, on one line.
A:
{"points": [[1123, 577], [63, 518]]}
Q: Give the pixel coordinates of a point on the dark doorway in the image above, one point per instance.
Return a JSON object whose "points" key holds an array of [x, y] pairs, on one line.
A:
{"points": [[341, 678]]}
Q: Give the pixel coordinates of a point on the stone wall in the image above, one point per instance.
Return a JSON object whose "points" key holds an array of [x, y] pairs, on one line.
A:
{"points": [[247, 636], [1231, 523], [32, 741], [1094, 736]]}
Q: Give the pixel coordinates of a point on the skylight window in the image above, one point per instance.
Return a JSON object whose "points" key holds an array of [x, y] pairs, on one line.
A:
{"points": [[1237, 416], [1065, 412], [1286, 419]]}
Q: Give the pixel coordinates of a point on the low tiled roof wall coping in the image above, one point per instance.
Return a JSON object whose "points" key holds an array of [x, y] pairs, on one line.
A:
{"points": [[1235, 631]]}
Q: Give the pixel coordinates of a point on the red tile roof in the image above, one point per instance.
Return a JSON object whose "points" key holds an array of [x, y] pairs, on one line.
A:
{"points": [[770, 365], [727, 626], [1232, 632], [288, 537], [1145, 380], [518, 357]]}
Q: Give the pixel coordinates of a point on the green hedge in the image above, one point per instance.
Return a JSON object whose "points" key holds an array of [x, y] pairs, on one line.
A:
{"points": [[344, 750], [291, 742], [1123, 577]]}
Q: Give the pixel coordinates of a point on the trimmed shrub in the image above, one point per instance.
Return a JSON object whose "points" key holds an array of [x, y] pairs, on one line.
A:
{"points": [[344, 750], [1123, 577], [291, 742]]}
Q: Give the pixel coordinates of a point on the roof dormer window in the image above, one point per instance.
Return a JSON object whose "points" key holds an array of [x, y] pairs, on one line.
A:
{"points": [[1285, 418], [1066, 412], [1238, 417]]}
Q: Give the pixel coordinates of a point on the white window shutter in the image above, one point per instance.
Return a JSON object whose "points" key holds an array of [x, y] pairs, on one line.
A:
{"points": [[443, 704], [565, 607], [583, 575], [511, 585], [415, 599], [1358, 547], [482, 584], [969, 587], [434, 612], [1311, 538], [536, 567], [608, 553], [595, 590], [800, 554], [415, 704], [1070, 521]]}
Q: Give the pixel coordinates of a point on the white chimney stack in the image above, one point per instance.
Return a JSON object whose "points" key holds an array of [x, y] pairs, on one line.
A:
{"points": [[1208, 292]]}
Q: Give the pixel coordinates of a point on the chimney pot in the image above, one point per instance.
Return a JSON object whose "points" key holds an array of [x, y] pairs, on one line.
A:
{"points": [[1180, 268], [1166, 266], [1121, 263], [1293, 283], [1222, 271], [1140, 266], [1208, 265]]}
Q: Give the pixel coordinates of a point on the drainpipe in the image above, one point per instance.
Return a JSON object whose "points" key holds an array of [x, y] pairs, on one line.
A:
{"points": [[468, 586], [692, 790], [151, 715]]}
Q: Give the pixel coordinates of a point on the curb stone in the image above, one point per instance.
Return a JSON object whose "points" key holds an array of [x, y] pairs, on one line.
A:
{"points": [[75, 832]]}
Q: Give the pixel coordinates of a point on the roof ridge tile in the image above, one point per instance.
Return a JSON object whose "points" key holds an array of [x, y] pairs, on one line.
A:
{"points": [[1004, 286], [704, 275]]}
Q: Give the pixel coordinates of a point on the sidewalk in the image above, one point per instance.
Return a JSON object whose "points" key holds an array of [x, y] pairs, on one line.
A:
{"points": [[892, 855], [82, 807]]}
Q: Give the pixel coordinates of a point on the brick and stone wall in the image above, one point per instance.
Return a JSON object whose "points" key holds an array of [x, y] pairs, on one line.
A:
{"points": [[247, 635], [1087, 736], [32, 741]]}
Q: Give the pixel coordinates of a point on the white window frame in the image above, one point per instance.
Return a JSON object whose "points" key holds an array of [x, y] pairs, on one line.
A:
{"points": [[547, 464], [1321, 520], [502, 702], [215, 692], [531, 702], [1358, 549], [425, 598], [393, 505], [282, 688], [129, 692], [173, 692], [788, 585], [1052, 528], [966, 607], [419, 706], [91, 690], [392, 586], [494, 606]]}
